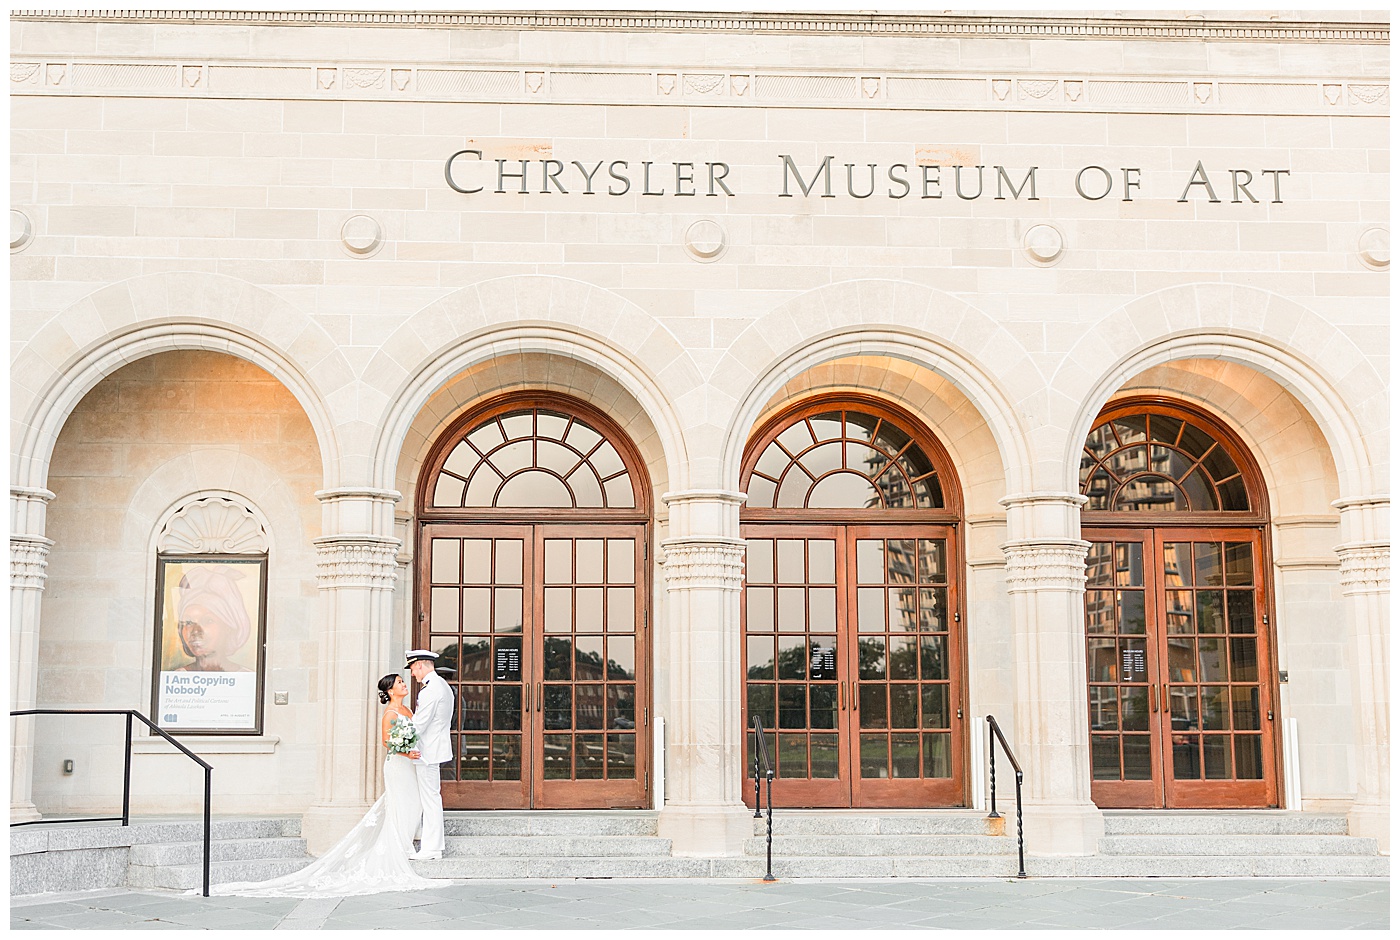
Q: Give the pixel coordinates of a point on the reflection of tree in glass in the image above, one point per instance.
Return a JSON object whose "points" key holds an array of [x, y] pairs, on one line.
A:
{"points": [[871, 658]]}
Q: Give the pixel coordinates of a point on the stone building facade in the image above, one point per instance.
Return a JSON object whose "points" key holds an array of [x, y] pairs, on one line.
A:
{"points": [[363, 293]]}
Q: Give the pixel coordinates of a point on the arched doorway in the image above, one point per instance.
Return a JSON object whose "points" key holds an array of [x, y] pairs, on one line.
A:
{"points": [[1176, 611], [852, 606], [532, 585]]}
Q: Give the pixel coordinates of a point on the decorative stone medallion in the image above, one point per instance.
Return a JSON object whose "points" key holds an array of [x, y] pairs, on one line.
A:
{"points": [[21, 231], [1044, 244], [704, 240], [1374, 248], [361, 236]]}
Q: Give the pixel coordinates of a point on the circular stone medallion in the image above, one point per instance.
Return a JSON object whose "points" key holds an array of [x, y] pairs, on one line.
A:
{"points": [[704, 240], [21, 230], [361, 236]]}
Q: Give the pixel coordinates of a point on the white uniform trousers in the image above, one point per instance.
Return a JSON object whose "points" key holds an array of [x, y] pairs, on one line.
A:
{"points": [[430, 795]]}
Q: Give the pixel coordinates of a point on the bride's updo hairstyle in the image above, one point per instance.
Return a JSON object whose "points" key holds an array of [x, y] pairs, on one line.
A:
{"points": [[385, 685]]}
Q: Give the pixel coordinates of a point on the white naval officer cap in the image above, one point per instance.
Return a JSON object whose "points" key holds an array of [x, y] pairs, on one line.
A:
{"points": [[412, 656]]}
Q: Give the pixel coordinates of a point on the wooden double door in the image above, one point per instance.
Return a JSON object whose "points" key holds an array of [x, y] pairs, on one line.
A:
{"points": [[542, 634], [853, 660], [1180, 668]]}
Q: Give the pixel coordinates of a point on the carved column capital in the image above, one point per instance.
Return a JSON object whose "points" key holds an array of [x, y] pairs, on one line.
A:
{"points": [[29, 561], [1365, 567], [703, 563], [1045, 564], [356, 561]]}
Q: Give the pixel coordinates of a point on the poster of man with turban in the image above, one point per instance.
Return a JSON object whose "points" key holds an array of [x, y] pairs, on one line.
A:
{"points": [[209, 643]]}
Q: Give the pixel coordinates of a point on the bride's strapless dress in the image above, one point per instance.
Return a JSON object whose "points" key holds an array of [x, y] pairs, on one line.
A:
{"points": [[373, 857]]}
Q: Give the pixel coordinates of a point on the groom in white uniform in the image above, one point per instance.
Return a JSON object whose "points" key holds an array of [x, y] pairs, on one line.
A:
{"points": [[431, 717]]}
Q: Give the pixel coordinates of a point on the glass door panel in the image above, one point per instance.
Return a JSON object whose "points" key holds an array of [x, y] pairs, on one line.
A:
{"points": [[1124, 714], [475, 620], [903, 649], [1191, 727], [852, 659], [541, 634], [1217, 680], [586, 687], [791, 662]]}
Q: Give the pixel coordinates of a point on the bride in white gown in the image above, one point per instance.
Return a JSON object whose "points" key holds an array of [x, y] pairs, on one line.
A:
{"points": [[373, 857]]}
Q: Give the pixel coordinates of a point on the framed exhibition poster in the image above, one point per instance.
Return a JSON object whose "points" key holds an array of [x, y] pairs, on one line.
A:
{"points": [[211, 614]]}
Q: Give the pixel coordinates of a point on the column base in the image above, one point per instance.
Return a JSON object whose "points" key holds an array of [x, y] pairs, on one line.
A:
{"points": [[1372, 821], [325, 824], [1059, 828], [24, 811], [707, 830]]}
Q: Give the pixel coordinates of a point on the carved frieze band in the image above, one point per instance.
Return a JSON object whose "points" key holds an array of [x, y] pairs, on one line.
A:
{"points": [[29, 560], [422, 81], [357, 562], [1045, 564], [1365, 567], [703, 563], [846, 24]]}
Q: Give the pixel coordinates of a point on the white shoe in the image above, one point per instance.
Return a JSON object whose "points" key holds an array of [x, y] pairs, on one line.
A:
{"points": [[424, 856]]}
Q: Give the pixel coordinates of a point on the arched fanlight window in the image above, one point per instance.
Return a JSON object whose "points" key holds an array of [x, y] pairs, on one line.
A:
{"points": [[533, 456], [837, 455], [1149, 460]]}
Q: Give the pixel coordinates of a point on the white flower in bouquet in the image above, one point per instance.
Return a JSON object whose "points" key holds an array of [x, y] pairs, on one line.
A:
{"points": [[403, 736]]}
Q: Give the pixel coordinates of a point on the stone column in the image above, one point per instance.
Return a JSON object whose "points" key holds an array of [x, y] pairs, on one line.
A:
{"points": [[704, 570], [29, 554], [1365, 581], [1045, 577], [357, 571]]}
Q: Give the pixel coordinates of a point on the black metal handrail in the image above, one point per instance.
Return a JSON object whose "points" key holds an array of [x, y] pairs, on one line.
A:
{"points": [[763, 768], [125, 817], [993, 736]]}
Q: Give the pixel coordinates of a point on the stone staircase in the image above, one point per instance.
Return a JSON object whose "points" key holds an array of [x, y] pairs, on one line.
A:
{"points": [[564, 844], [877, 844], [1222, 843], [624, 844], [152, 853], [241, 850]]}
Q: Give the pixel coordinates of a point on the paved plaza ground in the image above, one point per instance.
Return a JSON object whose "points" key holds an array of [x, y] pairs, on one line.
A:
{"points": [[1175, 903]]}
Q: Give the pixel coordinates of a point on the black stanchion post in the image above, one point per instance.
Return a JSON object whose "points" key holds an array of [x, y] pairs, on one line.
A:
{"points": [[208, 792], [126, 776], [992, 764]]}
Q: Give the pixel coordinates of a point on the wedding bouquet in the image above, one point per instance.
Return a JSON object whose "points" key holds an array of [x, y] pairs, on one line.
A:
{"points": [[403, 737]]}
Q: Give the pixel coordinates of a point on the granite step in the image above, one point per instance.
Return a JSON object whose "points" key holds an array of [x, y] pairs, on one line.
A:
{"points": [[184, 877], [1226, 845], [914, 822], [572, 823], [1223, 822], [1211, 866], [881, 845], [909, 866], [220, 850], [561, 846], [488, 867]]}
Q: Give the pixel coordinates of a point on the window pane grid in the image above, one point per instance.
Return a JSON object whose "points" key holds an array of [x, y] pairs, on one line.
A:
{"points": [[533, 458], [1213, 669], [905, 683], [1158, 463], [1116, 655], [589, 692], [844, 460]]}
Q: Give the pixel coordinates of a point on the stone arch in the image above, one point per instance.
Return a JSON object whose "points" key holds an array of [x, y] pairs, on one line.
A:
{"points": [[535, 372], [1245, 325], [550, 315], [1283, 440], [135, 318], [936, 331]]}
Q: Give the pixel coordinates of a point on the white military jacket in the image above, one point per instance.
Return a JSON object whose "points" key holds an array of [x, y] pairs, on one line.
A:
{"points": [[432, 719]]}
